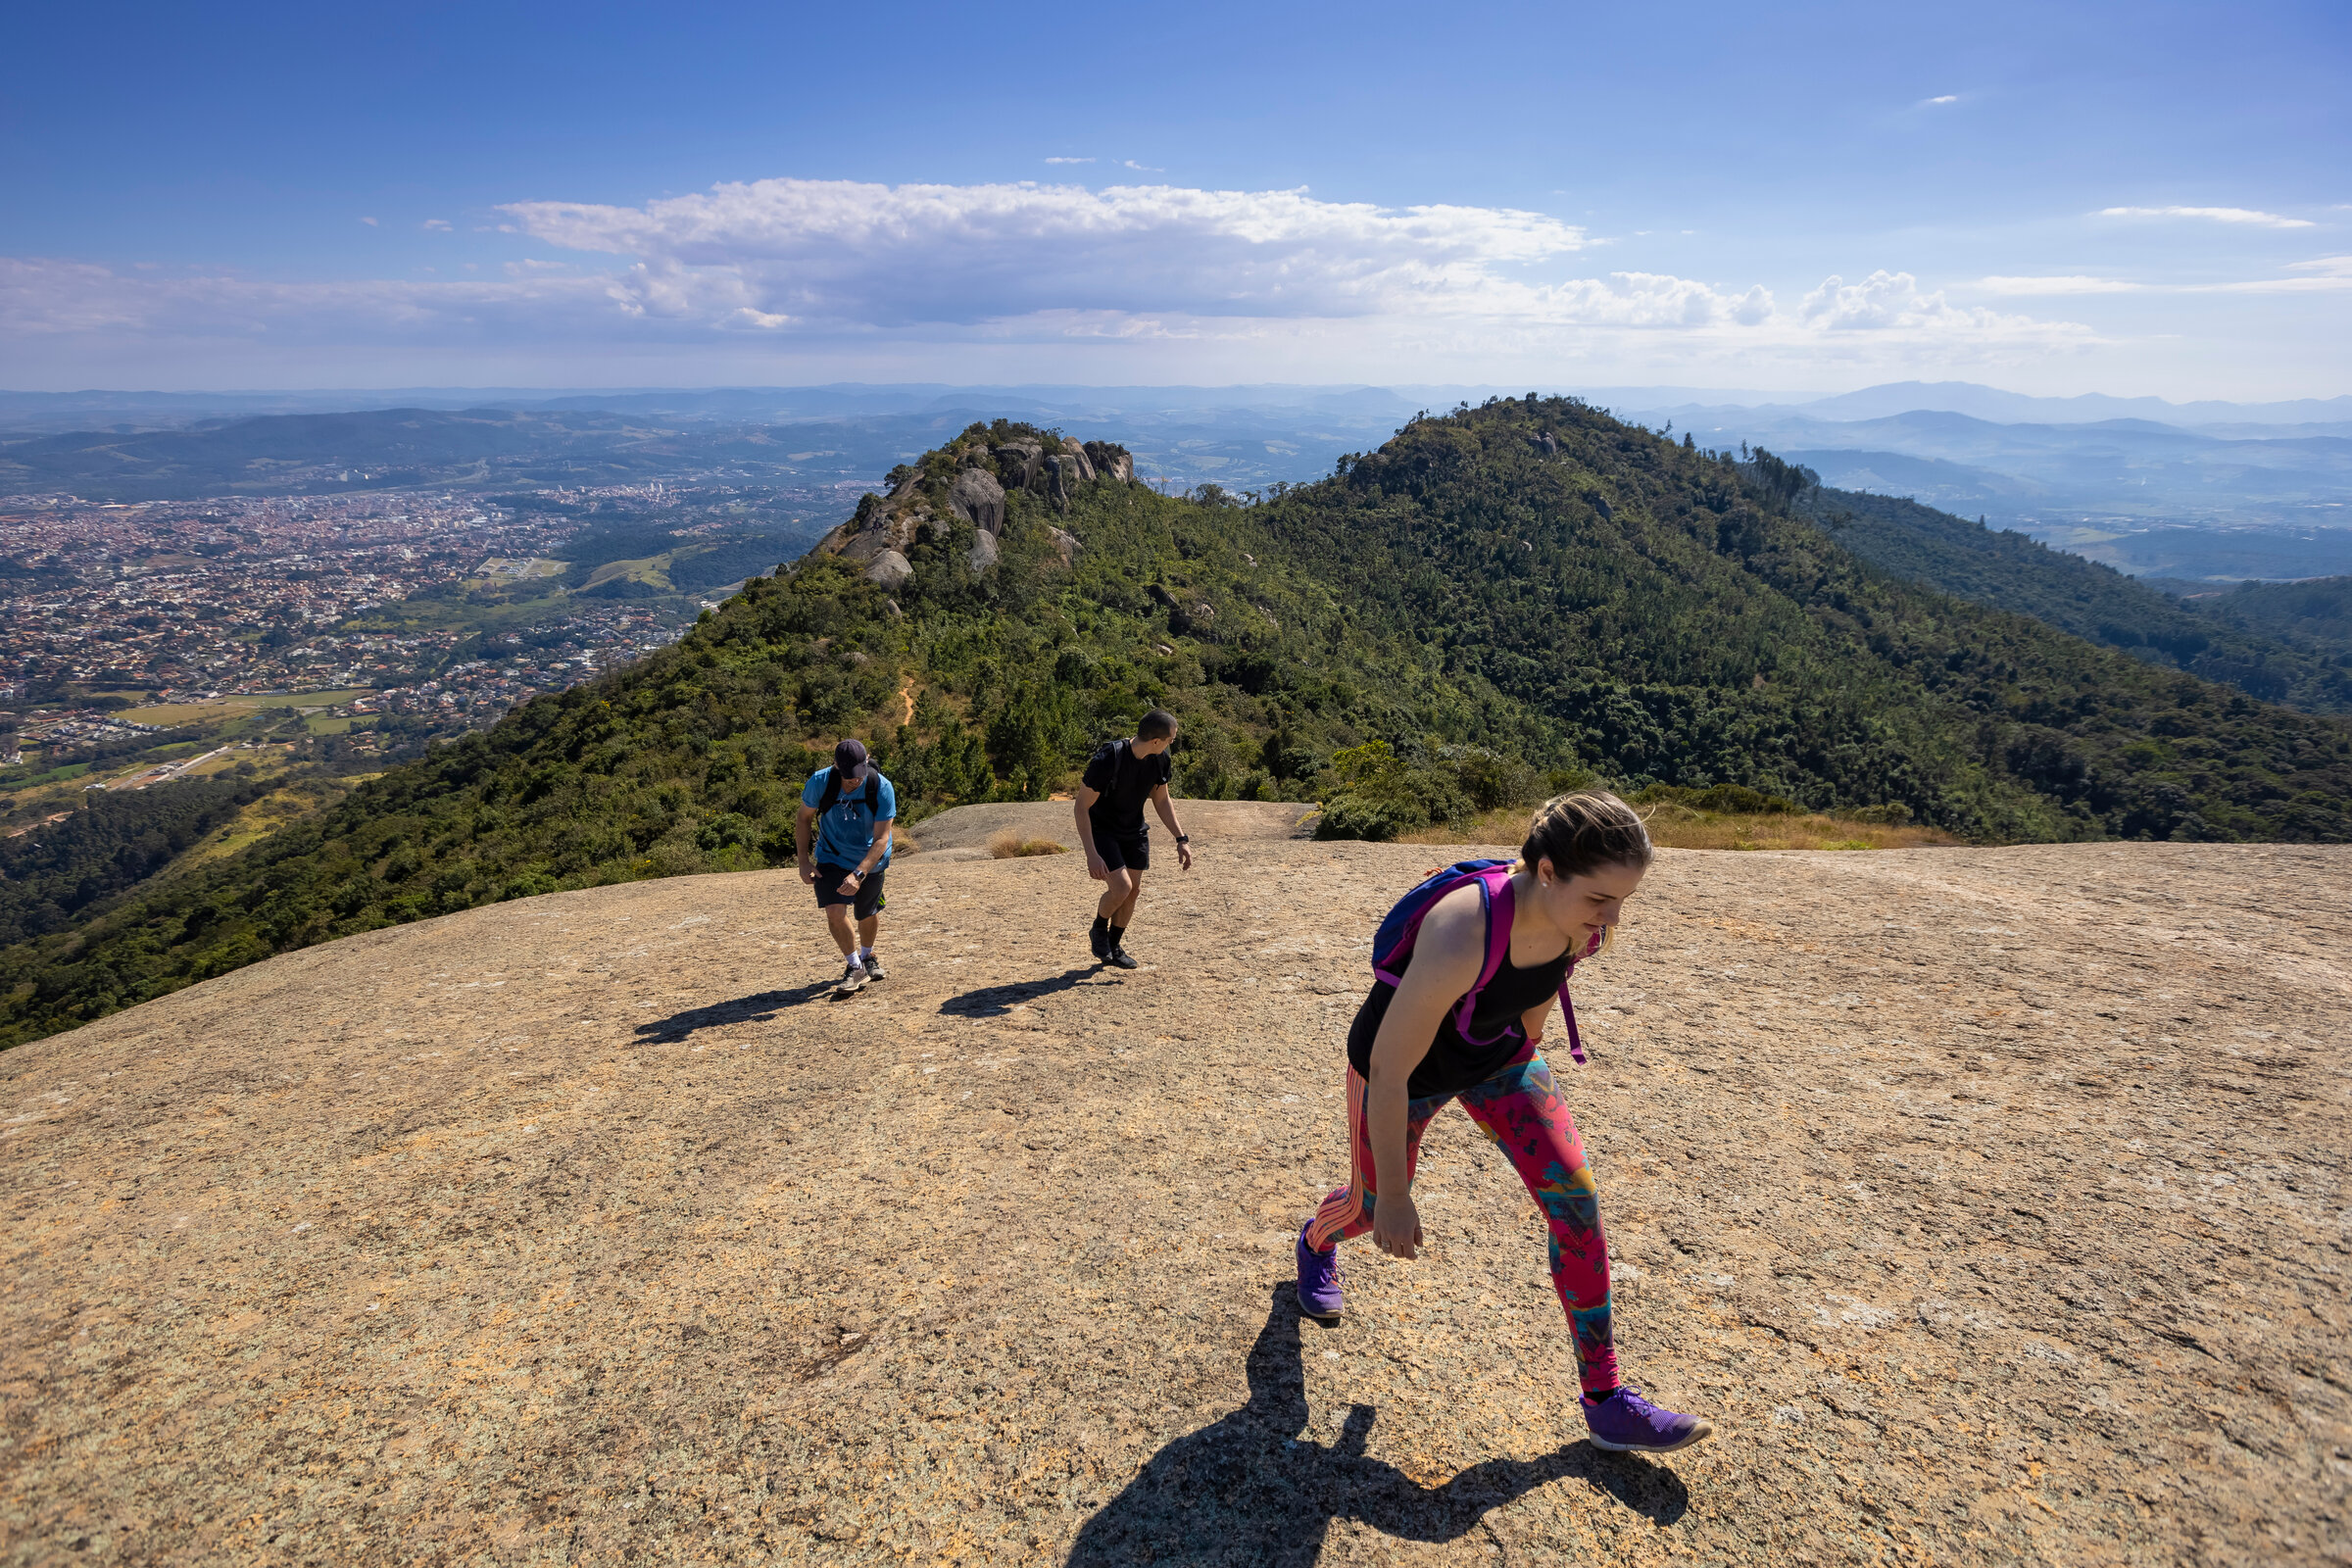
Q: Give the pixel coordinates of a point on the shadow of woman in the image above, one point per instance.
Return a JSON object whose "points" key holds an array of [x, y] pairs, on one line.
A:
{"points": [[1251, 1490]]}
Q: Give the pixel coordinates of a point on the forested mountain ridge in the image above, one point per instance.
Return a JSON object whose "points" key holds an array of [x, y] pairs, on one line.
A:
{"points": [[2314, 614], [2092, 600], [1668, 610], [1494, 604]]}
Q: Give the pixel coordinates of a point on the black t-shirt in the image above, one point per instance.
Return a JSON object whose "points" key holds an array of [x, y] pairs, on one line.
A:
{"points": [[1125, 782], [1453, 1063]]}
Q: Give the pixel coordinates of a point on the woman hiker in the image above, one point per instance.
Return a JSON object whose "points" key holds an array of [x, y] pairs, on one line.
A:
{"points": [[1467, 968]]}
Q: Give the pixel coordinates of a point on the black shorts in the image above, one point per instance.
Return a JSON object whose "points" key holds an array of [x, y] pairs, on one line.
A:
{"points": [[1130, 850], [867, 901]]}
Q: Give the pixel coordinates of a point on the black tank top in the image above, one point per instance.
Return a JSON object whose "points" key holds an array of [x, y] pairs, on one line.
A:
{"points": [[1454, 1063]]}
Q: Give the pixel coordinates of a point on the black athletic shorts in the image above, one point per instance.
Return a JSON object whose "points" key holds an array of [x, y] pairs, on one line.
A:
{"points": [[869, 899], [1130, 850]]}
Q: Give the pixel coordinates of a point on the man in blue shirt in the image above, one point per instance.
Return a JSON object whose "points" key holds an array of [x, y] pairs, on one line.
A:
{"points": [[854, 807]]}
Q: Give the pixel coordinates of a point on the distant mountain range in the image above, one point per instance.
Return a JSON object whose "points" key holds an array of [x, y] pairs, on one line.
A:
{"points": [[82, 411], [2199, 491]]}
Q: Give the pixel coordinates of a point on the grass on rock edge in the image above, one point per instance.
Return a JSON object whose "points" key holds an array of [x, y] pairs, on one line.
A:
{"points": [[1681, 827]]}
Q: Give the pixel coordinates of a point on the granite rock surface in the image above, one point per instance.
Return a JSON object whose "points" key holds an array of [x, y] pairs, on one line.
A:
{"points": [[1989, 1202]]}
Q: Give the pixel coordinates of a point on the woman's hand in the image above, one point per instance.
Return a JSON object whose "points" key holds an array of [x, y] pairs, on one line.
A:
{"points": [[1396, 1225]]}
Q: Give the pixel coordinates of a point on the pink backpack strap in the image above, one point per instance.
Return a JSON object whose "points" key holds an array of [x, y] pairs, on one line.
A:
{"points": [[1575, 1041], [1500, 903]]}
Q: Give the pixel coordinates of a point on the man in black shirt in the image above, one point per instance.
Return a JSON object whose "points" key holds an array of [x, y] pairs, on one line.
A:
{"points": [[1120, 778]]}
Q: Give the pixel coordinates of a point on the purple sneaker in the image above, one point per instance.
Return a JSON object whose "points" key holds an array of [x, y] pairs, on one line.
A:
{"points": [[1318, 1280], [1626, 1423]]}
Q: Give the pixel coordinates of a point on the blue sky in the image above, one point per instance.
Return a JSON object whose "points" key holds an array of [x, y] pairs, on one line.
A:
{"points": [[2143, 199]]}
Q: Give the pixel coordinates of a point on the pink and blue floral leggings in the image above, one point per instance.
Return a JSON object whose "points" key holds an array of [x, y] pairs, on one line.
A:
{"points": [[1520, 1109]]}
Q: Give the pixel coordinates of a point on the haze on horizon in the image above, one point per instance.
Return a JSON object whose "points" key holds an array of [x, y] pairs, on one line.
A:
{"points": [[2141, 201]]}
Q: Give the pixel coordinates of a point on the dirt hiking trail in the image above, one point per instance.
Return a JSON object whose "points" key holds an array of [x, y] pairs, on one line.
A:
{"points": [[1989, 1202]]}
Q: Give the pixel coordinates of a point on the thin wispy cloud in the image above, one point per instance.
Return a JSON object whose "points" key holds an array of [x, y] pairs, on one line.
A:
{"points": [[1147, 169], [369, 222], [436, 225], [2325, 274], [1946, 98], [1070, 160], [2219, 215], [2071, 283]]}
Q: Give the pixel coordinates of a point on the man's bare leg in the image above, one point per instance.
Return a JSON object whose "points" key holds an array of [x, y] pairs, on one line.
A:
{"points": [[837, 921], [1118, 917]]}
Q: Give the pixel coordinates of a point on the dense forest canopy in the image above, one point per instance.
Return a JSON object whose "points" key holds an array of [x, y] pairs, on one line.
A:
{"points": [[2252, 638], [1492, 604]]}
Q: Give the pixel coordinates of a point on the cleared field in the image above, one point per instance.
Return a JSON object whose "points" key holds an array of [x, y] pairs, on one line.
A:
{"points": [[220, 711]]}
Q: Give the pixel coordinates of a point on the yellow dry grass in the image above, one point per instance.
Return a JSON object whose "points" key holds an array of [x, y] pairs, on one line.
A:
{"points": [[1011, 845], [1679, 827]]}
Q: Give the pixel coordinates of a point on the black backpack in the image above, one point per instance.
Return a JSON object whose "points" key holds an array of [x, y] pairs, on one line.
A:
{"points": [[873, 790]]}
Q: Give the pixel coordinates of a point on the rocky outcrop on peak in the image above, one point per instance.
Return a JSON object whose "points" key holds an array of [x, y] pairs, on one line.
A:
{"points": [[1020, 462], [979, 500], [1111, 462], [968, 483]]}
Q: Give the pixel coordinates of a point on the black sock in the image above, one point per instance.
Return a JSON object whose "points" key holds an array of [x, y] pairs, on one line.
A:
{"points": [[1603, 1395], [1116, 932], [1102, 924]]}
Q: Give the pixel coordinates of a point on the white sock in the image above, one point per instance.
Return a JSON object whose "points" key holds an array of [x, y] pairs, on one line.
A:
{"points": [[851, 957], [865, 955]]}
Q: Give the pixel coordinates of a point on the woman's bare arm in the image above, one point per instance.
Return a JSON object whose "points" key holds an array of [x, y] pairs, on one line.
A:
{"points": [[1448, 956]]}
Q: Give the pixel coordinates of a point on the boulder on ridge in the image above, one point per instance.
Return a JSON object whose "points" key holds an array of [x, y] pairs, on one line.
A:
{"points": [[978, 500], [1021, 464], [1110, 461]]}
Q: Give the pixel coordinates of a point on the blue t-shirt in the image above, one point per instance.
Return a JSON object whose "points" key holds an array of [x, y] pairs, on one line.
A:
{"points": [[846, 831]]}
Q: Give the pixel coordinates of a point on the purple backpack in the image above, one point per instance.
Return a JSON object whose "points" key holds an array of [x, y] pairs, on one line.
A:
{"points": [[1393, 943]]}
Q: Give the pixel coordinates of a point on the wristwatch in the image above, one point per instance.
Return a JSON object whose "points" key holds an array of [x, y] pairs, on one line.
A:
{"points": [[1183, 838]]}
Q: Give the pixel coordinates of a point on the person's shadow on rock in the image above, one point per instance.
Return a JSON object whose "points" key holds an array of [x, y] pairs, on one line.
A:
{"points": [[994, 1001], [758, 1009], [1249, 1490]]}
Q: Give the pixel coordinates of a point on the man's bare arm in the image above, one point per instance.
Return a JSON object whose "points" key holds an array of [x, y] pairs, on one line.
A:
{"points": [[1168, 813], [800, 841]]}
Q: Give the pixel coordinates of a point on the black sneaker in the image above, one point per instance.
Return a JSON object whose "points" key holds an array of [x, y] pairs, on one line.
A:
{"points": [[1098, 942], [1118, 959]]}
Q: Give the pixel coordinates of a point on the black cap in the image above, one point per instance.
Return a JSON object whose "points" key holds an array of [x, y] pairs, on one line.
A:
{"points": [[849, 761]]}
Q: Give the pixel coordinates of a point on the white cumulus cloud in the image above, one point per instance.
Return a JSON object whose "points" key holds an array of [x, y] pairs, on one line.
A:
{"points": [[1893, 303], [2218, 214], [827, 251], [1031, 273]]}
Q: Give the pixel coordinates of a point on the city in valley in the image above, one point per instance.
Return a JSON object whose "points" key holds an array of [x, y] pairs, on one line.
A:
{"points": [[146, 642]]}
